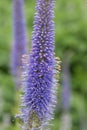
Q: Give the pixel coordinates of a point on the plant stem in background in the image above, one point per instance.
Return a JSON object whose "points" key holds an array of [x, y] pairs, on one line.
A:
{"points": [[66, 85], [19, 46], [66, 93]]}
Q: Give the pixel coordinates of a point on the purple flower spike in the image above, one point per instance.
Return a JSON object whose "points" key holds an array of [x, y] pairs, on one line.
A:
{"points": [[39, 97], [19, 37]]}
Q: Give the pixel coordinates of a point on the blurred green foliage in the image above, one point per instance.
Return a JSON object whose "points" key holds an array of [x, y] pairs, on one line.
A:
{"points": [[70, 35]]}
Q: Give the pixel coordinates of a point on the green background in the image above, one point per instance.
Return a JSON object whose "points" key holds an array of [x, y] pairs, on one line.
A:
{"points": [[70, 36]]}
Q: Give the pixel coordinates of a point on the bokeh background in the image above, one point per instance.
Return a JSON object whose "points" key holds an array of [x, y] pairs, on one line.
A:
{"points": [[71, 46]]}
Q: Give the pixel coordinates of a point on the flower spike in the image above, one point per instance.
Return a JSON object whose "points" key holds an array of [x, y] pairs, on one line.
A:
{"points": [[19, 38], [39, 98]]}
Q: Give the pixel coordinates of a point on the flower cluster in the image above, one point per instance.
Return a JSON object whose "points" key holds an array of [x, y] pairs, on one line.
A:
{"points": [[39, 97], [40, 70]]}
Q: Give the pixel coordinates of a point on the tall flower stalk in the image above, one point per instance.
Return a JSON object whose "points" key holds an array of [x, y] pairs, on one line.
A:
{"points": [[39, 97], [66, 122], [19, 37]]}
